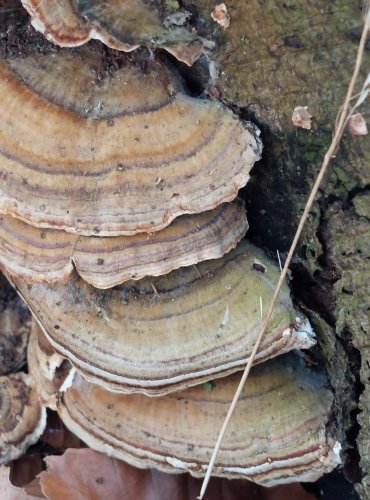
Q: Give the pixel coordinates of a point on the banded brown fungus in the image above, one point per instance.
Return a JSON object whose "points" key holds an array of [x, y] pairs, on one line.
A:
{"points": [[83, 152], [120, 25], [22, 419], [15, 326], [86, 148], [50, 255], [284, 438], [158, 335]]}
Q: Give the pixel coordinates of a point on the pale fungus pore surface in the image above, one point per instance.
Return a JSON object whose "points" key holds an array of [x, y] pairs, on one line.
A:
{"points": [[15, 327], [49, 255], [160, 334], [22, 419], [122, 25], [277, 434], [99, 151], [48, 369]]}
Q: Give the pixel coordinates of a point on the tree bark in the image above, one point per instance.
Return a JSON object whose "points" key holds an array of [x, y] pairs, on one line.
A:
{"points": [[275, 56]]}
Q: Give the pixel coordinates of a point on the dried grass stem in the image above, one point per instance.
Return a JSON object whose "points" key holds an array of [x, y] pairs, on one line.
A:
{"points": [[341, 124]]}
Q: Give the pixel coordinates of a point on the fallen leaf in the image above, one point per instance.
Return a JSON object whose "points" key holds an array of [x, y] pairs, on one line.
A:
{"points": [[10, 492], [24, 470], [83, 474], [357, 125], [301, 117], [221, 16], [214, 92]]}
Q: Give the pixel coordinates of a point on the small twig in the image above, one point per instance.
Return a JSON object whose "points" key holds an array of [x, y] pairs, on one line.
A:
{"points": [[278, 255], [341, 123], [155, 290], [261, 309], [197, 270]]}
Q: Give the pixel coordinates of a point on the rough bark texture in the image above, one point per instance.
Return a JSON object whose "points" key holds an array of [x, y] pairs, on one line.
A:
{"points": [[275, 56]]}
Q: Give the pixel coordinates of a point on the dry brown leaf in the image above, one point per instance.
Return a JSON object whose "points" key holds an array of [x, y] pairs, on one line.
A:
{"points": [[301, 117], [24, 470], [357, 125], [10, 492], [87, 475], [221, 16]]}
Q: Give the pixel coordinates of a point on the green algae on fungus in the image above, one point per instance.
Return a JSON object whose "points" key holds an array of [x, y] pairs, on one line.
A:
{"points": [[270, 441], [161, 334]]}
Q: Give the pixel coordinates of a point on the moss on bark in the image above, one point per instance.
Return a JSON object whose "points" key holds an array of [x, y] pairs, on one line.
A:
{"points": [[275, 56]]}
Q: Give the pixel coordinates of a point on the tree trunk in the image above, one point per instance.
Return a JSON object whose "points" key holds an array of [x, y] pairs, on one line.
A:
{"points": [[275, 56]]}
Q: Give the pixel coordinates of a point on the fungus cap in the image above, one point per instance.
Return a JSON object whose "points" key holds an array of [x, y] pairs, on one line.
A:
{"points": [[85, 147], [49, 255], [157, 335], [277, 434], [22, 420], [120, 25]]}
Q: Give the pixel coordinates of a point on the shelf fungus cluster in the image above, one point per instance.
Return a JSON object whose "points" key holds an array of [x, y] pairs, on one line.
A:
{"points": [[120, 25], [162, 334], [121, 229], [22, 417], [176, 432]]}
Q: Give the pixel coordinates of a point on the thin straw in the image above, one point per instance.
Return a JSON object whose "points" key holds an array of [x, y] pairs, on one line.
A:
{"points": [[330, 152]]}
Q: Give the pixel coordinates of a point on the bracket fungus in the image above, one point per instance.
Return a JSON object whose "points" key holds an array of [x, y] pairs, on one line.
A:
{"points": [[108, 166], [283, 439], [157, 335], [106, 158], [49, 255], [48, 370], [22, 419], [15, 326], [119, 25]]}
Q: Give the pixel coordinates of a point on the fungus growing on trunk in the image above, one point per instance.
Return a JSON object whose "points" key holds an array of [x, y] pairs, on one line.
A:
{"points": [[22, 419], [49, 255], [120, 25], [284, 438], [84, 152], [98, 149], [158, 335], [48, 370]]}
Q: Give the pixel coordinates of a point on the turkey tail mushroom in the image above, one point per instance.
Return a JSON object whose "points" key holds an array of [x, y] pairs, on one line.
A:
{"points": [[104, 156], [22, 419], [162, 334], [49, 255], [122, 25], [278, 433]]}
